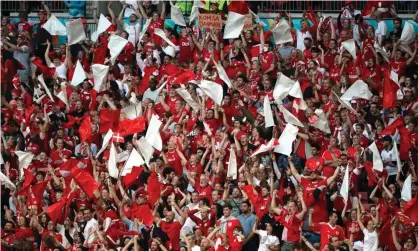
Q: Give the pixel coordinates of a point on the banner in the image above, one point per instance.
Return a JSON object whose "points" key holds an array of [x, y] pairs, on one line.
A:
{"points": [[210, 21]]}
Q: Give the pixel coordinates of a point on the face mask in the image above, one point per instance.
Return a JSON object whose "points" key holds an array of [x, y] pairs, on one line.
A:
{"points": [[266, 49]]}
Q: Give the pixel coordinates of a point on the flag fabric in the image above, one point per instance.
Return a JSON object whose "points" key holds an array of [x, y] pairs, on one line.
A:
{"points": [[6, 181], [177, 15], [45, 70], [133, 160], [311, 15], [358, 90], [182, 91], [286, 140], [56, 210], [282, 87], [106, 141], [143, 213], [405, 143], [289, 117], [223, 75], [322, 122], [55, 27], [232, 165], [268, 114], [75, 31], [265, 147], [234, 25], [296, 92], [103, 24], [109, 120], [411, 209], [154, 188], [406, 193], [397, 155], [304, 149], [66, 167], [161, 34], [71, 121], [132, 111], [115, 46], [111, 164], [389, 91], [350, 46], [24, 158], [131, 178], [345, 187], [39, 189], [85, 181], [99, 75], [391, 129], [282, 32], [238, 6], [85, 130], [153, 133], [213, 90], [29, 177], [377, 160], [146, 149], [79, 74], [42, 81], [132, 126]]}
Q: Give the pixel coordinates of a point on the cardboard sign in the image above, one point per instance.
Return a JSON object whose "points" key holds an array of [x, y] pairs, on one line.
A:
{"points": [[248, 22], [210, 21]]}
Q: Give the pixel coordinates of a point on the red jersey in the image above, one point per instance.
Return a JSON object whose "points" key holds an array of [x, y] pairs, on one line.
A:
{"points": [[174, 161], [398, 66], [328, 171], [185, 50], [203, 225], [58, 155], [293, 225], [327, 231], [353, 226], [206, 55], [204, 192], [314, 163]]}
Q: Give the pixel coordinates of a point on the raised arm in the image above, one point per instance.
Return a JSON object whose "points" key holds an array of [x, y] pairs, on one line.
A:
{"points": [[120, 18], [47, 59], [333, 177], [293, 169], [111, 13]]}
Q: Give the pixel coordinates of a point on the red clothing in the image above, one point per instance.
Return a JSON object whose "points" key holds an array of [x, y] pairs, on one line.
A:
{"points": [[320, 206], [314, 163], [185, 50], [57, 156], [230, 226], [398, 66], [201, 224], [293, 225], [351, 226], [328, 171], [267, 60], [174, 161], [204, 192], [327, 231]]}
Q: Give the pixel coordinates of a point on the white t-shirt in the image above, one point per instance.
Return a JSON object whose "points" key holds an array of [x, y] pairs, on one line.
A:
{"points": [[196, 248], [300, 36], [133, 31], [370, 240], [267, 240], [382, 30], [389, 155]]}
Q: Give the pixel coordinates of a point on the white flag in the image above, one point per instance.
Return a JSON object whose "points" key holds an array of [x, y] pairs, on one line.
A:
{"points": [[99, 75], [42, 81], [281, 32], [213, 90], [377, 160], [296, 92], [232, 166], [182, 91], [177, 16], [195, 10], [408, 33], [75, 32], [266, 147], [234, 25], [289, 117], [406, 193], [6, 181], [103, 24], [146, 149], [350, 46], [55, 27], [286, 140], [134, 160], [112, 164], [322, 122], [25, 158], [132, 111], [345, 187], [223, 75], [153, 133], [398, 158], [79, 74], [106, 141], [268, 114], [62, 96], [358, 90], [115, 46], [161, 34], [282, 87], [144, 29]]}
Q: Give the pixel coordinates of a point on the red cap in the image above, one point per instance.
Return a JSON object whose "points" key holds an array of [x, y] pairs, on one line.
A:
{"points": [[17, 92], [34, 148]]}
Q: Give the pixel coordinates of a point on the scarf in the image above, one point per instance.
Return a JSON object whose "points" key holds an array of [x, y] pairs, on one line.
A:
{"points": [[224, 222]]}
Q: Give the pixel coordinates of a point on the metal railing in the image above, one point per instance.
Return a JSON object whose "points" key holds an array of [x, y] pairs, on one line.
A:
{"points": [[275, 6], [32, 6]]}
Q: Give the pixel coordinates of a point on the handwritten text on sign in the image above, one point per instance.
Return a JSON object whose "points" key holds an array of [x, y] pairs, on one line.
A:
{"points": [[210, 21]]}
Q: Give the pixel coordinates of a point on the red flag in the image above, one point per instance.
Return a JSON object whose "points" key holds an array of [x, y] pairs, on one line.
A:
{"points": [[132, 177], [411, 209], [389, 91], [248, 189], [66, 167], [391, 129], [300, 151], [45, 70], [28, 113], [404, 142], [93, 103], [39, 189], [85, 181], [183, 77], [369, 170], [109, 119], [143, 213], [85, 129], [56, 210], [154, 188], [385, 235], [131, 126], [115, 233], [311, 16], [238, 6], [71, 121], [28, 178]]}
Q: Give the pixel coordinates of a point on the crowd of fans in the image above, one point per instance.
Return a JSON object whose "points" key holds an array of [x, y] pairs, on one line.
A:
{"points": [[218, 181]]}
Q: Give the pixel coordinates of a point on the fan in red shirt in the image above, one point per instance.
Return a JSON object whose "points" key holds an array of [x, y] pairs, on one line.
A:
{"points": [[327, 229], [315, 162], [228, 223], [172, 229]]}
